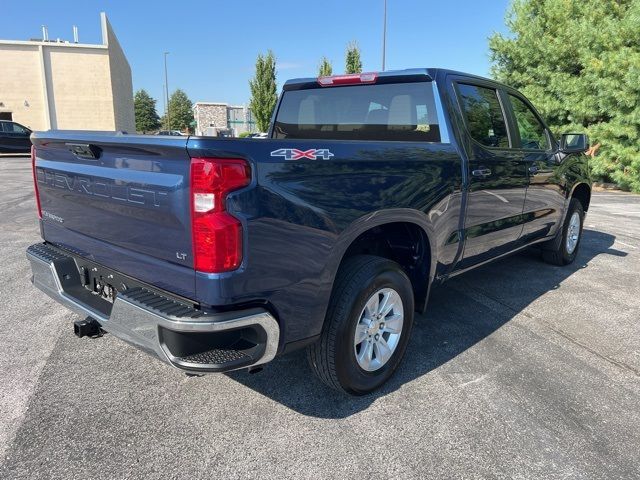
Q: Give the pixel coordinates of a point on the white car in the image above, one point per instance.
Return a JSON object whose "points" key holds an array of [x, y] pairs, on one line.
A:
{"points": [[170, 132]]}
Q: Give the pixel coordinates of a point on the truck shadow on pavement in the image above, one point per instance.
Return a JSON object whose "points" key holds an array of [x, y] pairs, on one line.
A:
{"points": [[461, 313]]}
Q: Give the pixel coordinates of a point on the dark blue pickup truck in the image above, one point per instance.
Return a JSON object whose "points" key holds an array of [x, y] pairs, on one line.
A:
{"points": [[219, 254]]}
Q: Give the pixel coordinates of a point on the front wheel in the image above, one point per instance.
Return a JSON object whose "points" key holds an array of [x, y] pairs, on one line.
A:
{"points": [[565, 252], [367, 326]]}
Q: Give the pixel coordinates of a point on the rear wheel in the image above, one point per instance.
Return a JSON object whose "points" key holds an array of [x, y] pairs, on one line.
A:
{"points": [[367, 326], [565, 252]]}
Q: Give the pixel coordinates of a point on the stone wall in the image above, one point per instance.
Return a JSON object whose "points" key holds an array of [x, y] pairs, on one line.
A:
{"points": [[210, 115]]}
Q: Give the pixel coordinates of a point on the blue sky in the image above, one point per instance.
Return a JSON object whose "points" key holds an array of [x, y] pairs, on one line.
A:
{"points": [[214, 44]]}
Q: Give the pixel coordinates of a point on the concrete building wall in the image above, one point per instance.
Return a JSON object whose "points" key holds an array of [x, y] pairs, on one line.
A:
{"points": [[121, 83], [240, 120], [62, 85], [21, 88], [79, 89]]}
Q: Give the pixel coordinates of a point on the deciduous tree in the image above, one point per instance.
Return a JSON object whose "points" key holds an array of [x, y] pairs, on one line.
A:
{"points": [[264, 94], [353, 63], [145, 112], [325, 68], [180, 111]]}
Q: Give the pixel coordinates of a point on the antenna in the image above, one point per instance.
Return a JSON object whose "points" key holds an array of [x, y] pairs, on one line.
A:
{"points": [[45, 34], [75, 34]]}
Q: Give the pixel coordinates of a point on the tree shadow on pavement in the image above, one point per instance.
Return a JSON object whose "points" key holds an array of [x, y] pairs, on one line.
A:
{"points": [[456, 319]]}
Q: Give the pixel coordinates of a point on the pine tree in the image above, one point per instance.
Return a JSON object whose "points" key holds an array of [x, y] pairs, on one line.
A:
{"points": [[325, 68], [180, 111], [578, 61], [353, 63], [145, 112], [264, 94]]}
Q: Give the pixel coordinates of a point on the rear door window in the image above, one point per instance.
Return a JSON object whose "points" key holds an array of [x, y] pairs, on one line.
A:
{"points": [[394, 111], [484, 116]]}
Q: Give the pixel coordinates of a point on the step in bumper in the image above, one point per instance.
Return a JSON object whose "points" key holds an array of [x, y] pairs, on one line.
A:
{"points": [[178, 332]]}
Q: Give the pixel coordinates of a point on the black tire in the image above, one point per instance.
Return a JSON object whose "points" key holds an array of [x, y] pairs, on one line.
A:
{"points": [[332, 357], [557, 253]]}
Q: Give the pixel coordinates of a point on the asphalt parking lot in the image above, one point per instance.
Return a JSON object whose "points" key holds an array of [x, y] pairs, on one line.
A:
{"points": [[519, 370]]}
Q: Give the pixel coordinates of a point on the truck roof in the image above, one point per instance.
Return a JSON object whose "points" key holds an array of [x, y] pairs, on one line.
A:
{"points": [[426, 73]]}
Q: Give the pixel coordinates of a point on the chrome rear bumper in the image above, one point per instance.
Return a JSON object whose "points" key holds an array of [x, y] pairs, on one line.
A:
{"points": [[176, 332]]}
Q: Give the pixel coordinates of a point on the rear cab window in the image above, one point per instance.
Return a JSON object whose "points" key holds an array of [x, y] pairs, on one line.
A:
{"points": [[383, 112], [484, 115]]}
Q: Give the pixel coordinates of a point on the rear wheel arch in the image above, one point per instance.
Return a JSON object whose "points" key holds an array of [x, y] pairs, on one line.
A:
{"points": [[408, 243]]}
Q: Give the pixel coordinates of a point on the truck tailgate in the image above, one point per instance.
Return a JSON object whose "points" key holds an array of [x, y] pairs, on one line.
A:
{"points": [[128, 208]]}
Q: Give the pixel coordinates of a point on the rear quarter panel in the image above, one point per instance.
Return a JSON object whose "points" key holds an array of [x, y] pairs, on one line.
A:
{"points": [[300, 216]]}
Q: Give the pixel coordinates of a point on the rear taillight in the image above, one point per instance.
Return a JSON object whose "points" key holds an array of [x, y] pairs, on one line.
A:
{"points": [[35, 179], [217, 235], [349, 79]]}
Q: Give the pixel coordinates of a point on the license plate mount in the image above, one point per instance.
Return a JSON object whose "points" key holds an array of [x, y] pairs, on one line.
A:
{"points": [[105, 290]]}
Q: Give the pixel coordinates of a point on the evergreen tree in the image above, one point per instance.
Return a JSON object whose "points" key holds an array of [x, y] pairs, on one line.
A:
{"points": [[325, 68], [353, 61], [145, 112], [579, 63], [264, 94], [180, 111]]}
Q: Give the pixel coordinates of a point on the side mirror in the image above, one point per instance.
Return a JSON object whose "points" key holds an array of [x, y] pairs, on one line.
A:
{"points": [[574, 143]]}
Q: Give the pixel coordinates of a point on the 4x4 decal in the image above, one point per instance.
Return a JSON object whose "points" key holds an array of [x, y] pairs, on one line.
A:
{"points": [[295, 154]]}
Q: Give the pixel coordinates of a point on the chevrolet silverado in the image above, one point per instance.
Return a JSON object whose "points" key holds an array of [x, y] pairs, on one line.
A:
{"points": [[215, 254]]}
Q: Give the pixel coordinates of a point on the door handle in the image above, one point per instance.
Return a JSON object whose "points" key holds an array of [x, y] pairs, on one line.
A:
{"points": [[533, 169], [482, 172]]}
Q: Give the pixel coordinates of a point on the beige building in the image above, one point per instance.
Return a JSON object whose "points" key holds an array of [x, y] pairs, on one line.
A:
{"points": [[70, 86]]}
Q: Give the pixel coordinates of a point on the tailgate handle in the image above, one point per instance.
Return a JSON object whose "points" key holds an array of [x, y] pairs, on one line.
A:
{"points": [[84, 150]]}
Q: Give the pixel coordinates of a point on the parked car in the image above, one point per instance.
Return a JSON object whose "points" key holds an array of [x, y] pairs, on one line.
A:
{"points": [[218, 132], [220, 254], [14, 138], [176, 133]]}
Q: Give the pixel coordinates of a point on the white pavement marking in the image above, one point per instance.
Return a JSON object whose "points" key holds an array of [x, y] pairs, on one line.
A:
{"points": [[614, 195], [625, 244], [499, 197]]}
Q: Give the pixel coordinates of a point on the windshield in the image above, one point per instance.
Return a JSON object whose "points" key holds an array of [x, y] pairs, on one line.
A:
{"points": [[394, 111]]}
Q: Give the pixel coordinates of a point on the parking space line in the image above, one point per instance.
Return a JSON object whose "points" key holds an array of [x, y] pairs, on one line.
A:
{"points": [[625, 244]]}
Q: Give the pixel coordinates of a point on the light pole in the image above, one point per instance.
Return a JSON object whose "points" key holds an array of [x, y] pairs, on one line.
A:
{"points": [[164, 101], [384, 34], [166, 91]]}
